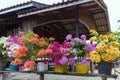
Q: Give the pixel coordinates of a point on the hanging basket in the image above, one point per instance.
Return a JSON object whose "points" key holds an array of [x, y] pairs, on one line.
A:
{"points": [[61, 68], [105, 68], [82, 68]]}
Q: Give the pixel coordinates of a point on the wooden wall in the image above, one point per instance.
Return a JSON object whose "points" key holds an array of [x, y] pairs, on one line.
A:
{"points": [[87, 19]]}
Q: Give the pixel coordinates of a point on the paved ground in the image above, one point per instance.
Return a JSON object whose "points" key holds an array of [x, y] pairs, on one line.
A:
{"points": [[34, 76]]}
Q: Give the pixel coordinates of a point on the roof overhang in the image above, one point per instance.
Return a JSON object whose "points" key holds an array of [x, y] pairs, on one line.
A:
{"points": [[51, 8], [20, 7], [15, 9]]}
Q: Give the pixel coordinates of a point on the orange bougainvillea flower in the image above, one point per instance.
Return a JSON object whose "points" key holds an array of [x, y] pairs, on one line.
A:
{"points": [[17, 62], [22, 39], [41, 53], [36, 35], [48, 51], [15, 55], [50, 45], [43, 43], [29, 64], [33, 40], [21, 52], [51, 38]]}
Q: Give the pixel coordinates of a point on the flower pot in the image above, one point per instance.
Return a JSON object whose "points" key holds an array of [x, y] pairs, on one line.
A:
{"points": [[13, 67], [60, 68], [105, 68], [42, 66], [82, 68], [2, 65]]}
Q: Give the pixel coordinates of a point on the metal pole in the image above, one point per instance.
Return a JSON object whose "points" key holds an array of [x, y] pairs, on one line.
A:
{"points": [[77, 28]]}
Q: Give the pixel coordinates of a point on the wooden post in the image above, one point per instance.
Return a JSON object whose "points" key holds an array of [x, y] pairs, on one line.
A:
{"points": [[41, 76], [77, 28], [91, 67]]}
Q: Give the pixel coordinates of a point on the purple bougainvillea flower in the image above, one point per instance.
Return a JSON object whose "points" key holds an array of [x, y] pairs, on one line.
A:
{"points": [[76, 39], [91, 46], [83, 37], [21, 68], [68, 37], [63, 60], [71, 61], [84, 61], [74, 50]]}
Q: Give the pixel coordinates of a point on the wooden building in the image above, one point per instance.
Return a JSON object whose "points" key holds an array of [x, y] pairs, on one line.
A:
{"points": [[72, 16]]}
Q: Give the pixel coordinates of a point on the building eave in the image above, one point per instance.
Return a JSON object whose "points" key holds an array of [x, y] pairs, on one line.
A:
{"points": [[51, 8]]}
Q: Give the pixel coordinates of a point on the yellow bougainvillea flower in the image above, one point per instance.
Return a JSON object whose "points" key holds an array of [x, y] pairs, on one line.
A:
{"points": [[104, 37], [114, 44], [111, 37], [94, 56], [105, 57], [102, 47], [92, 39], [93, 32]]}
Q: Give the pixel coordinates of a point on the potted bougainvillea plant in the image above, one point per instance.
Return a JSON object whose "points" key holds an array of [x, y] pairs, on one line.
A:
{"points": [[106, 51], [79, 48]]}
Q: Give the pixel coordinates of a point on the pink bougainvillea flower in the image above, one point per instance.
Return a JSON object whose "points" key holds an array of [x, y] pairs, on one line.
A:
{"points": [[63, 50]]}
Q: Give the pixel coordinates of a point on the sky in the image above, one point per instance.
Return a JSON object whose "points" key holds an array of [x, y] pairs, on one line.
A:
{"points": [[113, 8]]}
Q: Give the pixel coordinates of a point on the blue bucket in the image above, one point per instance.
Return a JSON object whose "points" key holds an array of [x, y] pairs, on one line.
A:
{"points": [[13, 67]]}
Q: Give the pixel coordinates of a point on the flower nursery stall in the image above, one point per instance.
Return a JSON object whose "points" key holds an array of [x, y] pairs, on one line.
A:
{"points": [[63, 41], [71, 57]]}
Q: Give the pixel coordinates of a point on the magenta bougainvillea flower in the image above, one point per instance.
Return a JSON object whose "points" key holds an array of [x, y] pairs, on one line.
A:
{"points": [[13, 38], [61, 53]]}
